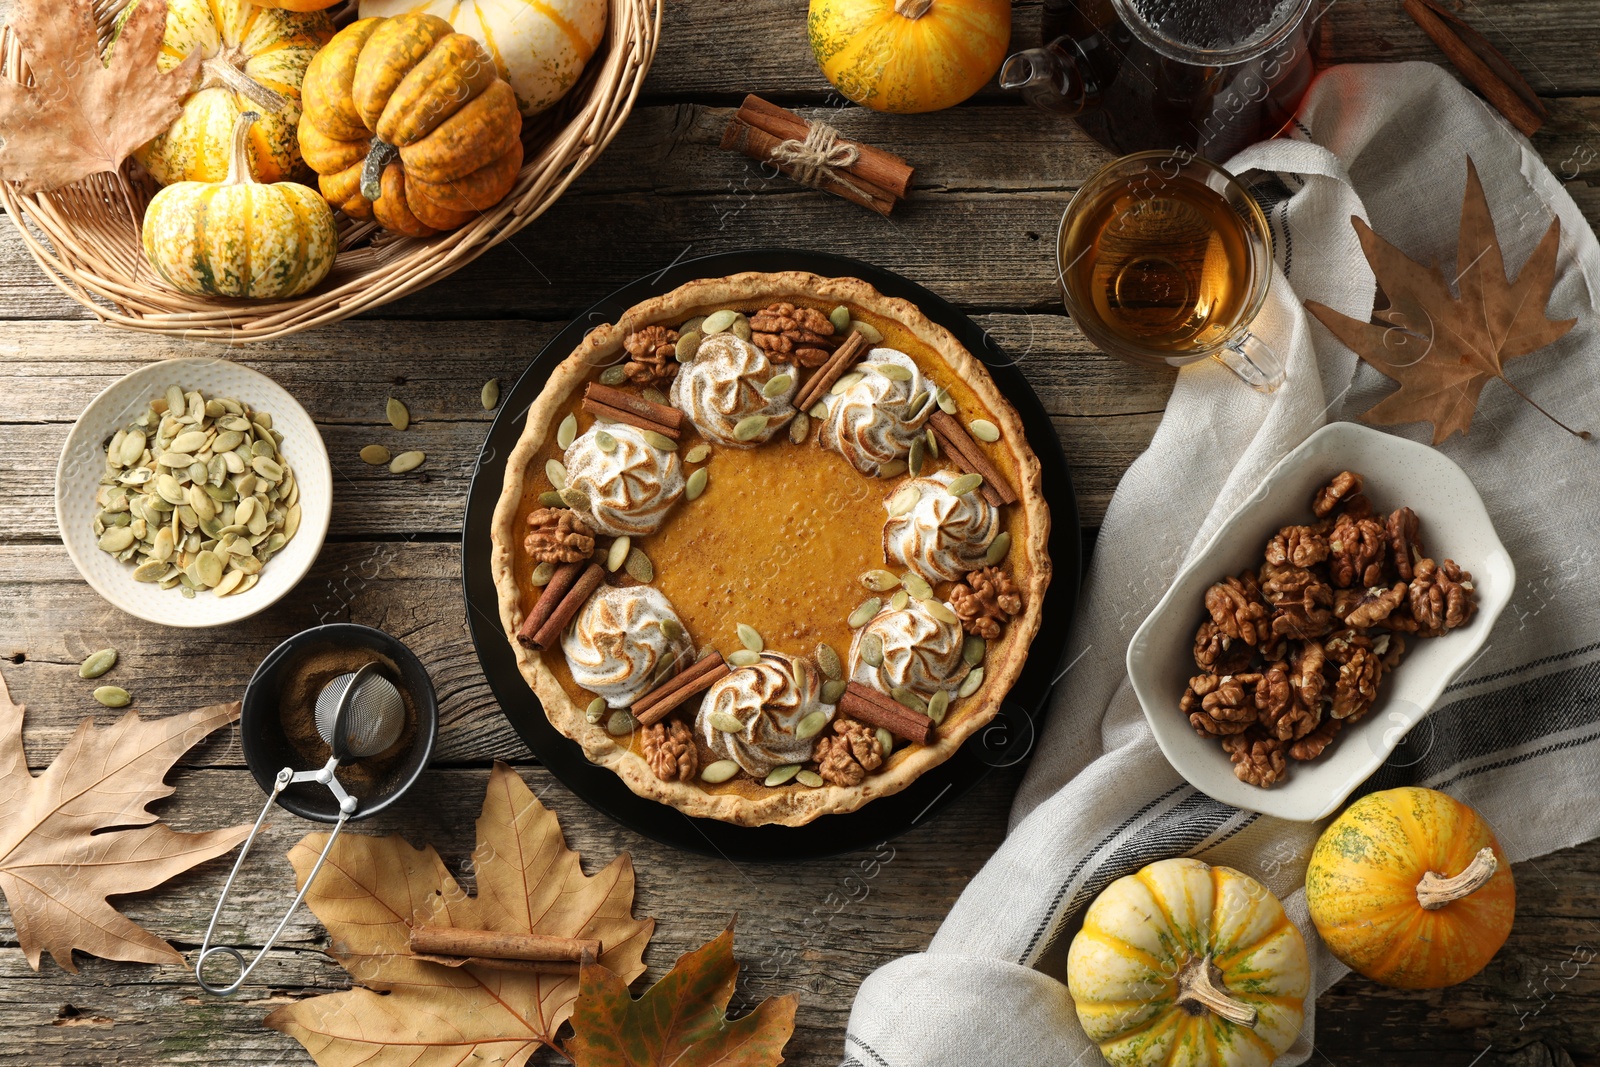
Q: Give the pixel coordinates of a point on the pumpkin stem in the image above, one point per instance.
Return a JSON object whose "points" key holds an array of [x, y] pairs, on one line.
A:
{"points": [[912, 9], [239, 154], [226, 70], [1435, 890], [1198, 991], [380, 155]]}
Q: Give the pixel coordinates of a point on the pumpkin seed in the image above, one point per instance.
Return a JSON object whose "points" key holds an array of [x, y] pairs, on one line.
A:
{"points": [[843, 385], [840, 317], [207, 569], [892, 469], [832, 690], [879, 581], [899, 601], [904, 499], [398, 414], [671, 629], [938, 704], [151, 570], [567, 432], [639, 567], [112, 696], [908, 698], [542, 574], [984, 430], [230, 582], [189, 441], [659, 441], [654, 395], [556, 471], [972, 650], [871, 650], [604, 441], [696, 484], [266, 468], [719, 772], [828, 661], [407, 461], [777, 385], [999, 548], [726, 723], [809, 779], [576, 499], [98, 663], [613, 375], [964, 484], [750, 427], [718, 321], [938, 610], [620, 724], [176, 404], [970, 684], [489, 395], [596, 710], [692, 324], [698, 453], [688, 345], [741, 329], [617, 554], [799, 428], [864, 612], [819, 410], [916, 457], [116, 539], [933, 443], [916, 585], [376, 455], [781, 775], [869, 333], [750, 637], [551, 499], [947, 403], [132, 448], [893, 371], [744, 658]]}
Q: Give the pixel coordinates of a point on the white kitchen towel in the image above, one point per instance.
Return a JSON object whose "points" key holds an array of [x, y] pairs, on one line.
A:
{"points": [[1518, 736]]}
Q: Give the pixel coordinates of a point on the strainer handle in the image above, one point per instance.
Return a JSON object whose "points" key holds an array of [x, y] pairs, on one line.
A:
{"points": [[285, 778]]}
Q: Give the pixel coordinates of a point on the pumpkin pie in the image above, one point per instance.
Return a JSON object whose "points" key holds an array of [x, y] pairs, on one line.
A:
{"points": [[771, 546]]}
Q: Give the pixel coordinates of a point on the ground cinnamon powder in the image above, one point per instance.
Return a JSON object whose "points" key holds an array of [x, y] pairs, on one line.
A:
{"points": [[304, 677]]}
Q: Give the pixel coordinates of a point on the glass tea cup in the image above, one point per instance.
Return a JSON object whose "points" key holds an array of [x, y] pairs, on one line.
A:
{"points": [[1165, 259]]}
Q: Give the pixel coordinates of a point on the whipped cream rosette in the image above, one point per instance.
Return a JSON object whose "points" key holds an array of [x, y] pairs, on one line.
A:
{"points": [[726, 383], [631, 487], [625, 642], [943, 536], [768, 703], [920, 652], [873, 422]]}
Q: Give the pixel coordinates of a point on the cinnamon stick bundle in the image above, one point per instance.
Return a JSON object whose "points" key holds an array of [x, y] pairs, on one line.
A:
{"points": [[970, 457], [824, 377], [1482, 64], [636, 411], [875, 709], [568, 590], [814, 153], [669, 695]]}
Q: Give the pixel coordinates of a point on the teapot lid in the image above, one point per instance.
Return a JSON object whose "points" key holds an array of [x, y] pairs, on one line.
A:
{"points": [[1213, 32]]}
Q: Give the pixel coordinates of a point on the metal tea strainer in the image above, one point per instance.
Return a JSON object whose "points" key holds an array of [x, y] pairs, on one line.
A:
{"points": [[358, 714]]}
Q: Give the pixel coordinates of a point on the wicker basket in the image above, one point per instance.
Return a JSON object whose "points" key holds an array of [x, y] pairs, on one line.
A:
{"points": [[86, 235]]}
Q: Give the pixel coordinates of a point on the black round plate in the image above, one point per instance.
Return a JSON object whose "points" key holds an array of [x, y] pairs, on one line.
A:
{"points": [[1007, 740]]}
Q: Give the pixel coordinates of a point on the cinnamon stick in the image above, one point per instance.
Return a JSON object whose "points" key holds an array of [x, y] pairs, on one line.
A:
{"points": [[875, 709], [1482, 63], [829, 373], [740, 136], [883, 169], [661, 414], [669, 695], [568, 606], [493, 944], [552, 967], [970, 457], [550, 596], [595, 407]]}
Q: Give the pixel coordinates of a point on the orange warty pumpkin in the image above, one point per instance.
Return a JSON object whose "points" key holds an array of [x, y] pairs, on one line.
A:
{"points": [[1410, 888]]}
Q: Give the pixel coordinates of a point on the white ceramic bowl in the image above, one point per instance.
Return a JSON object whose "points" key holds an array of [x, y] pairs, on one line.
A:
{"points": [[1455, 525], [83, 461]]}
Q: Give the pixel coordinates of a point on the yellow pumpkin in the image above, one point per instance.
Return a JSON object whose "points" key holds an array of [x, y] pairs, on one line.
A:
{"points": [[1410, 888], [239, 237], [252, 59], [538, 46], [909, 55], [1185, 963]]}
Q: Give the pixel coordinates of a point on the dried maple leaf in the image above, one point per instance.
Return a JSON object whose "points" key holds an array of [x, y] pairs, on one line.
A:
{"points": [[80, 115], [681, 1021], [1443, 350], [423, 1014], [79, 832]]}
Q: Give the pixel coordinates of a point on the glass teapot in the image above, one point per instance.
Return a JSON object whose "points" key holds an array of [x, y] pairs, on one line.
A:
{"points": [[1206, 76]]}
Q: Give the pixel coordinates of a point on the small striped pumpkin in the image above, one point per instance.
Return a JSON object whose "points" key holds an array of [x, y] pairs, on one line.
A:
{"points": [[909, 55], [239, 237], [1185, 963], [538, 46]]}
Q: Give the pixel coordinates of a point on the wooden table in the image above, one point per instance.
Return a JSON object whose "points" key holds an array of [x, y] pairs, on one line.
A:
{"points": [[992, 180]]}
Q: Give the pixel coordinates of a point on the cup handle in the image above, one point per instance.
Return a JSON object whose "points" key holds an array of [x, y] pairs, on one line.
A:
{"points": [[1253, 359]]}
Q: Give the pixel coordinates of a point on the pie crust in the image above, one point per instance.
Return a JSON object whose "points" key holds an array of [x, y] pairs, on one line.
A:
{"points": [[745, 801]]}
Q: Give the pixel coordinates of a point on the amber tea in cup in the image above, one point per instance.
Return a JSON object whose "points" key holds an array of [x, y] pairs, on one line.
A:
{"points": [[1166, 259]]}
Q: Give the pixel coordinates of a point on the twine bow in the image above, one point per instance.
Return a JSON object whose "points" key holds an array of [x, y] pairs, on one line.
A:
{"points": [[821, 156]]}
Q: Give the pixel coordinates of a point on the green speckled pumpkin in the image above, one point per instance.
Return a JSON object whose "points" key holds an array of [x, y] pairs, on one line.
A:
{"points": [[239, 237], [252, 59], [1185, 963]]}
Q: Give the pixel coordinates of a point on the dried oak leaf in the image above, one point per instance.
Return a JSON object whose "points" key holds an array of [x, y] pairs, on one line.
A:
{"points": [[681, 1021], [79, 832], [1441, 349], [82, 116], [422, 1014]]}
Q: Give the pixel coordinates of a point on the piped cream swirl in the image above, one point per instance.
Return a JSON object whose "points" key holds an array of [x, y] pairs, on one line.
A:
{"points": [[632, 487], [770, 704], [723, 385], [873, 422], [943, 536], [624, 642], [920, 652]]}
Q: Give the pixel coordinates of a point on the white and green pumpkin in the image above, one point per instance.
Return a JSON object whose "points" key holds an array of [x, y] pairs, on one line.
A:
{"points": [[539, 46]]}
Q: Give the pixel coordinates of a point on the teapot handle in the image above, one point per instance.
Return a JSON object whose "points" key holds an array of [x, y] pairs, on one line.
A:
{"points": [[1056, 77]]}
